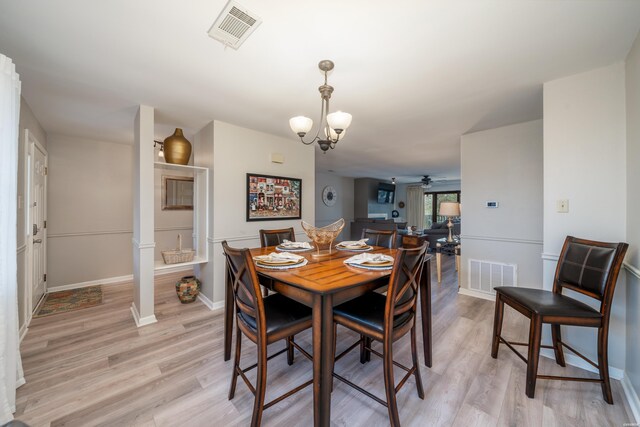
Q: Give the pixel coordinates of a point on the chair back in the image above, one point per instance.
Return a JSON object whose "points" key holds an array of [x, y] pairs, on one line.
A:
{"points": [[275, 237], [384, 238], [402, 294], [245, 288], [590, 268]]}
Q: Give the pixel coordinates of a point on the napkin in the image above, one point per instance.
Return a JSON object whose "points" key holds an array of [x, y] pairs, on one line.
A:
{"points": [[278, 257], [295, 245], [367, 257], [354, 243]]}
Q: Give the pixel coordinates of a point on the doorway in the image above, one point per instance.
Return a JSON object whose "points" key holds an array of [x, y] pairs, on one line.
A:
{"points": [[38, 164]]}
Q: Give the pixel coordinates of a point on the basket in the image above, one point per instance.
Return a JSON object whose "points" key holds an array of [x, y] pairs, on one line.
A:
{"points": [[178, 255], [323, 236]]}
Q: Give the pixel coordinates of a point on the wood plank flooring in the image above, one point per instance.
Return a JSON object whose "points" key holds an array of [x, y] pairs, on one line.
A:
{"points": [[95, 367]]}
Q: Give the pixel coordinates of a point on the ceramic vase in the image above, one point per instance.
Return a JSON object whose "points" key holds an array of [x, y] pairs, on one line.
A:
{"points": [[188, 289], [177, 149]]}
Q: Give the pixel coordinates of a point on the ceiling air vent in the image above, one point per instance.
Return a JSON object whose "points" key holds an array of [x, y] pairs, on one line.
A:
{"points": [[234, 24]]}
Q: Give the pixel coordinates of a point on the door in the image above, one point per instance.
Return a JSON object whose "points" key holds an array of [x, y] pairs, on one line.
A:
{"points": [[37, 214]]}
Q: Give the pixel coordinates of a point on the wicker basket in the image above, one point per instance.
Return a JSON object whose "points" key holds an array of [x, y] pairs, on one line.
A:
{"points": [[178, 255]]}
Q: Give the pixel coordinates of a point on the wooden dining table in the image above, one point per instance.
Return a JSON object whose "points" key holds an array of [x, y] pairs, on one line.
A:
{"points": [[321, 285]]}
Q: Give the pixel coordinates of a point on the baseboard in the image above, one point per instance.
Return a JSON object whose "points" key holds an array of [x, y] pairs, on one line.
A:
{"points": [[114, 280], [23, 331], [142, 321], [213, 306], [573, 360], [632, 398], [477, 294]]}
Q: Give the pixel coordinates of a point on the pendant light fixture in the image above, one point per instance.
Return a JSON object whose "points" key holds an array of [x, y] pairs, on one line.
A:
{"points": [[333, 125]]}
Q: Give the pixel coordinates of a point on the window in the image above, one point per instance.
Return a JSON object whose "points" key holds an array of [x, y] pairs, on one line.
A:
{"points": [[432, 202]]}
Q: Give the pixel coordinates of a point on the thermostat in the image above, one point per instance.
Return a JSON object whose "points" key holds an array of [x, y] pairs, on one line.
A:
{"points": [[491, 204]]}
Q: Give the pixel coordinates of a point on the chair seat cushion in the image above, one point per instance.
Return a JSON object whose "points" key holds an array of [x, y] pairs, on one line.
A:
{"points": [[280, 312], [368, 311], [546, 303]]}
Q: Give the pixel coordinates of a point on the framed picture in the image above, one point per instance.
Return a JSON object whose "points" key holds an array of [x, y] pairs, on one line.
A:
{"points": [[271, 198]]}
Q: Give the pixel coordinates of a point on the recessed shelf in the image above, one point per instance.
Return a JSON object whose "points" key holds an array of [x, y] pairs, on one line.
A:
{"points": [[160, 265], [172, 166]]}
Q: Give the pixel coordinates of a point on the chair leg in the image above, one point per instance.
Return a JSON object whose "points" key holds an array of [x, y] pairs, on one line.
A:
{"points": [[333, 359], [389, 383], [603, 363], [535, 334], [290, 350], [236, 363], [265, 292], [497, 326], [261, 386], [365, 355], [416, 365], [556, 338]]}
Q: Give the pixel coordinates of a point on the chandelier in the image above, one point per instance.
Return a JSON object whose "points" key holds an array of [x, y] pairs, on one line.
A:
{"points": [[333, 124]]}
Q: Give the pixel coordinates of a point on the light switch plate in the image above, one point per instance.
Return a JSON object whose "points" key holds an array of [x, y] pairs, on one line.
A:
{"points": [[562, 206]]}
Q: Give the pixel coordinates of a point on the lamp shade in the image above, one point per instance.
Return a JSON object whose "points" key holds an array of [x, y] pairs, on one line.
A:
{"points": [[334, 136], [300, 124], [450, 209], [339, 120]]}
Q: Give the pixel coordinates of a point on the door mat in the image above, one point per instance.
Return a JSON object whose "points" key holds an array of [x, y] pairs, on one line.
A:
{"points": [[74, 299]]}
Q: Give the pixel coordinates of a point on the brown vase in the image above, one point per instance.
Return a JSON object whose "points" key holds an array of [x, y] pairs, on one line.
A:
{"points": [[188, 289], [177, 149]]}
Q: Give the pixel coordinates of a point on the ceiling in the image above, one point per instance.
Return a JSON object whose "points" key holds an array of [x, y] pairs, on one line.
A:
{"points": [[415, 75]]}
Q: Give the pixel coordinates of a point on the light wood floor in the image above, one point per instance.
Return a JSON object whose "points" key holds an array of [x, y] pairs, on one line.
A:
{"points": [[94, 367]]}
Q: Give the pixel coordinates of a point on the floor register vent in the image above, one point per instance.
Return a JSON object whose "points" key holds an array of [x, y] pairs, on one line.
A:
{"points": [[486, 275], [234, 25]]}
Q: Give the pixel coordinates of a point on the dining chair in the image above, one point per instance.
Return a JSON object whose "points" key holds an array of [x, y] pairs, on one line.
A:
{"points": [[274, 238], [384, 238], [386, 319], [264, 321], [588, 267]]}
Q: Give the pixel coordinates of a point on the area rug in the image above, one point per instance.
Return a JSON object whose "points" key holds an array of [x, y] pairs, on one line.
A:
{"points": [[74, 299]]}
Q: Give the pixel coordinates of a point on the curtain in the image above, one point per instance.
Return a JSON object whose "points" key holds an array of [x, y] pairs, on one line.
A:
{"points": [[415, 206], [10, 365]]}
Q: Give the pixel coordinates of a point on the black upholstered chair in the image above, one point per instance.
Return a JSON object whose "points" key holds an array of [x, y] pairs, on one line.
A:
{"points": [[384, 238], [588, 267], [264, 321], [275, 237], [386, 319]]}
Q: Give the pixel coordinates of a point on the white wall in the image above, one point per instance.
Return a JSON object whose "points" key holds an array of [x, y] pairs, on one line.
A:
{"points": [[344, 204], [503, 165], [27, 121], [632, 367], [236, 152], [584, 162]]}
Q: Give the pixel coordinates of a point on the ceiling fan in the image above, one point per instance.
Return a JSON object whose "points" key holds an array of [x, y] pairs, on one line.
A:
{"points": [[427, 181]]}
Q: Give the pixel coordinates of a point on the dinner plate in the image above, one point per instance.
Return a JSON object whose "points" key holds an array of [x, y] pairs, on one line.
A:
{"points": [[286, 249], [297, 264], [387, 266], [280, 262], [354, 248]]}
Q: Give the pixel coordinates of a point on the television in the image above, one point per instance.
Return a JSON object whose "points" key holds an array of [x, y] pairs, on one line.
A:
{"points": [[386, 193]]}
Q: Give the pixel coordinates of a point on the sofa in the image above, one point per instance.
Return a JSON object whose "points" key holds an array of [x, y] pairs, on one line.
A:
{"points": [[439, 230], [360, 224]]}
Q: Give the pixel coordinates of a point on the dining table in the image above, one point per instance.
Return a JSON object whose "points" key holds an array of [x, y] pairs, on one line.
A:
{"points": [[322, 284]]}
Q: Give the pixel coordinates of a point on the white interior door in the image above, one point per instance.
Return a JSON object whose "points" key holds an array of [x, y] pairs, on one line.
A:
{"points": [[38, 212]]}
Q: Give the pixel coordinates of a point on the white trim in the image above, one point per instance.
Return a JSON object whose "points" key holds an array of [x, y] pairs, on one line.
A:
{"points": [[550, 257], [477, 294], [23, 330], [213, 306], [241, 238], [502, 239], [113, 280], [21, 248], [632, 269], [104, 232], [632, 397], [139, 245], [142, 321]]}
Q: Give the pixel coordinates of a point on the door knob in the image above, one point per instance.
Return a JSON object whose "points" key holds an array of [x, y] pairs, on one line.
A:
{"points": [[37, 241], [35, 229]]}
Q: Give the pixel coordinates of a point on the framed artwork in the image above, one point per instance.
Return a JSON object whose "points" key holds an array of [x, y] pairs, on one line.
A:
{"points": [[271, 198]]}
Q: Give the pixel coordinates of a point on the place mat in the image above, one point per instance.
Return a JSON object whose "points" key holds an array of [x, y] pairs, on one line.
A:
{"points": [[354, 245], [282, 266], [279, 259], [287, 246], [359, 249], [73, 299]]}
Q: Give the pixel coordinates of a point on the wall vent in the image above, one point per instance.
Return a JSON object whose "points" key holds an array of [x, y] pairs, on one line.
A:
{"points": [[486, 275], [234, 24]]}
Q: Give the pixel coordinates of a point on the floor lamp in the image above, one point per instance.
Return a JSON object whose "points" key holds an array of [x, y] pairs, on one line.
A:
{"points": [[449, 209]]}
